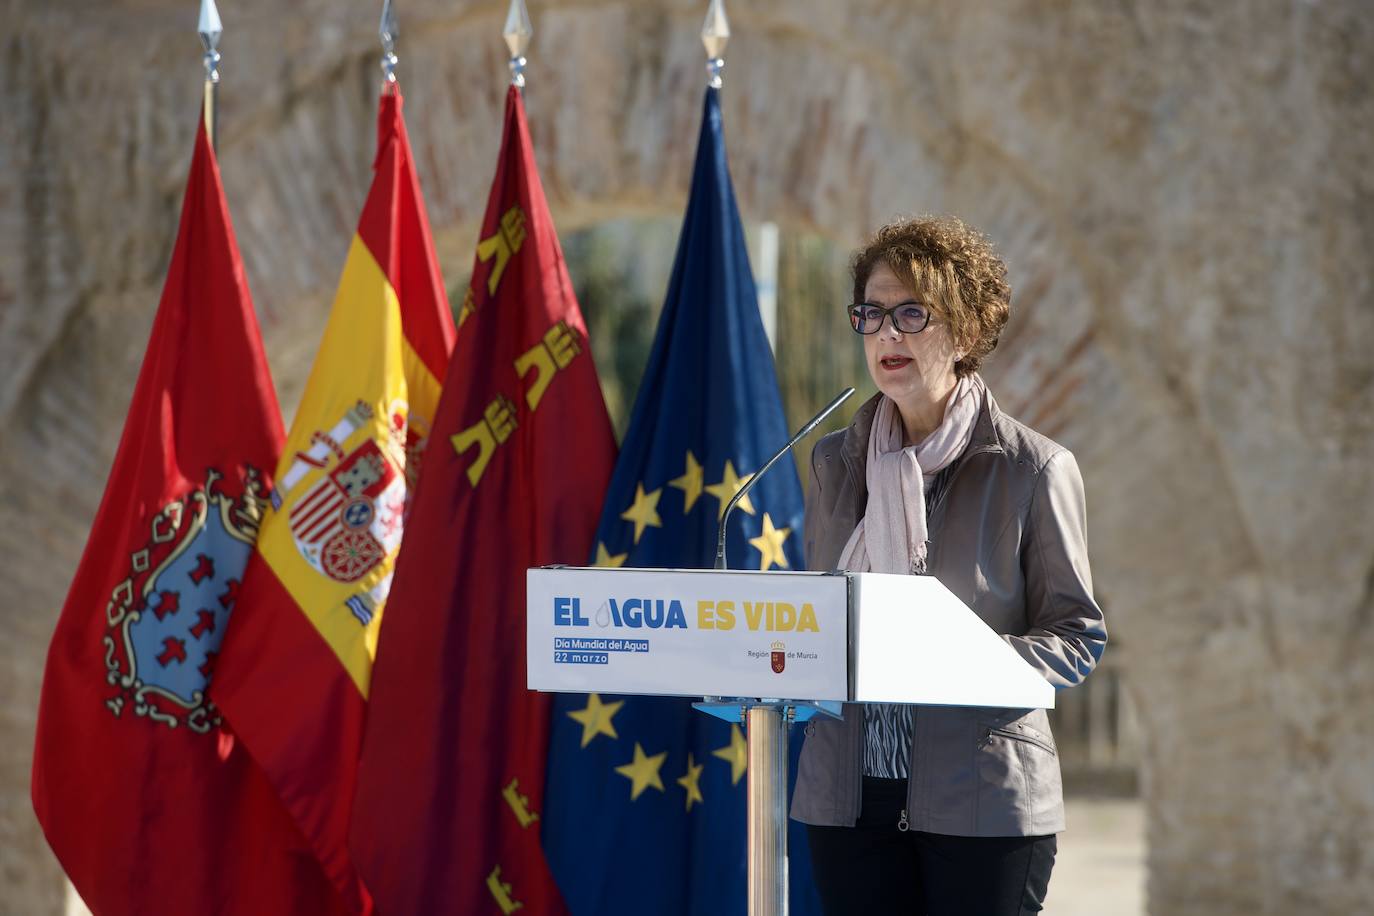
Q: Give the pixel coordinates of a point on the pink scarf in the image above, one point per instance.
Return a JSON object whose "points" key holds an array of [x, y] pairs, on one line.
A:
{"points": [[892, 535]]}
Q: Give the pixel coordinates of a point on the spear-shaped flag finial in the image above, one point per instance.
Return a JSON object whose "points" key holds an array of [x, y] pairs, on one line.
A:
{"points": [[715, 35], [518, 31], [210, 29], [388, 31]]}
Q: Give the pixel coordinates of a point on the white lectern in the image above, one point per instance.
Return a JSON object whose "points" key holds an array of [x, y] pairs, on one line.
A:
{"points": [[768, 648]]}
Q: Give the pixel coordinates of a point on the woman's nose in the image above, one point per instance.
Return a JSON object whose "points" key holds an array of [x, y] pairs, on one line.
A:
{"points": [[888, 329]]}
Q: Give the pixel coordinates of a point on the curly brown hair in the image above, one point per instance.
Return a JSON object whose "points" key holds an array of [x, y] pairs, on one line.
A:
{"points": [[954, 267]]}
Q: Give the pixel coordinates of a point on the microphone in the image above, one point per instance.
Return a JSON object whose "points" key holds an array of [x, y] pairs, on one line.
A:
{"points": [[744, 490]]}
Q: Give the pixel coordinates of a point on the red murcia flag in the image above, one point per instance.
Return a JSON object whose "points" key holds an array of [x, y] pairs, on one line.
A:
{"points": [[446, 819], [148, 800]]}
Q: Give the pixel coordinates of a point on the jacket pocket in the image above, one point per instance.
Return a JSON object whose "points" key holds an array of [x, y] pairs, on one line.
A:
{"points": [[1024, 733], [1031, 726], [1018, 774]]}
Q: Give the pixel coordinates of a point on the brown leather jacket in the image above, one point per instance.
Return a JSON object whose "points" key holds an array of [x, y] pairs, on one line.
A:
{"points": [[1008, 536]]}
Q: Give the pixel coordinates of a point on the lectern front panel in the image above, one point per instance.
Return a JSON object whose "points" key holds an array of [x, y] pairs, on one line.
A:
{"points": [[688, 632]]}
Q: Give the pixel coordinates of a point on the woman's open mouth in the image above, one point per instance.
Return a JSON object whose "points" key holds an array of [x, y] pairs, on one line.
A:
{"points": [[894, 362]]}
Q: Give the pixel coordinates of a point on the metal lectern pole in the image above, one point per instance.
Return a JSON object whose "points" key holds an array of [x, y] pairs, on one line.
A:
{"points": [[767, 805]]}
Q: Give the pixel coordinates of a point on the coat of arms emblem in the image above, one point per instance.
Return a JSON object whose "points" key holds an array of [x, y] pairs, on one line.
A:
{"points": [[346, 500], [166, 620], [778, 656]]}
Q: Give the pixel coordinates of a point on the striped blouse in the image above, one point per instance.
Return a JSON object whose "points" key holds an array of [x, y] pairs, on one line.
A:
{"points": [[888, 727]]}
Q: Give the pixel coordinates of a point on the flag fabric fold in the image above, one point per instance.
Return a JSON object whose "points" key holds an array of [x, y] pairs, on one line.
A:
{"points": [[645, 797], [450, 789], [295, 674], [149, 801]]}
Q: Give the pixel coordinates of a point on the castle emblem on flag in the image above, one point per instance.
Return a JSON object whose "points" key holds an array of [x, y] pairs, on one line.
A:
{"points": [[166, 620], [350, 516], [778, 656]]}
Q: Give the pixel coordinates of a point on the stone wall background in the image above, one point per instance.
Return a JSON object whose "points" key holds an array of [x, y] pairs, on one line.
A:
{"points": [[1184, 192]]}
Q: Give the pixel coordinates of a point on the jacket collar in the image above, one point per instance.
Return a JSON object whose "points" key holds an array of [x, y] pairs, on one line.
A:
{"points": [[855, 446], [985, 436]]}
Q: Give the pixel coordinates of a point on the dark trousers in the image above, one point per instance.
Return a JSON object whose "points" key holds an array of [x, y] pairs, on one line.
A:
{"points": [[873, 867]]}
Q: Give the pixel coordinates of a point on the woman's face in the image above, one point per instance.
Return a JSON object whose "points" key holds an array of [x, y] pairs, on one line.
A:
{"points": [[915, 370]]}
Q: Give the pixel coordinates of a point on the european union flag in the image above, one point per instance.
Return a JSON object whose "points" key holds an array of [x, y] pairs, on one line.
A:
{"points": [[644, 806]]}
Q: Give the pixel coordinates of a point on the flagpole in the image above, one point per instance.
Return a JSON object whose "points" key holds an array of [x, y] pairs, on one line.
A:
{"points": [[766, 720], [210, 29]]}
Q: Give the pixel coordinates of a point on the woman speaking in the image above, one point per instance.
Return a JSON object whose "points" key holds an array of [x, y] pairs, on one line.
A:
{"points": [[944, 810]]}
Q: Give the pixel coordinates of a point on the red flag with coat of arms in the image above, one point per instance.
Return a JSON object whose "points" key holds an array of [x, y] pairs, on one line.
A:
{"points": [[296, 671], [446, 819], [150, 803]]}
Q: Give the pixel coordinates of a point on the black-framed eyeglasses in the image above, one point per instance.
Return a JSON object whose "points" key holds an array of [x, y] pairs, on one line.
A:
{"points": [[910, 317]]}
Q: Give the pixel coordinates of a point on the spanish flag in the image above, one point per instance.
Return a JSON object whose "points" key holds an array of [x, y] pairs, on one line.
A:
{"points": [[294, 676]]}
